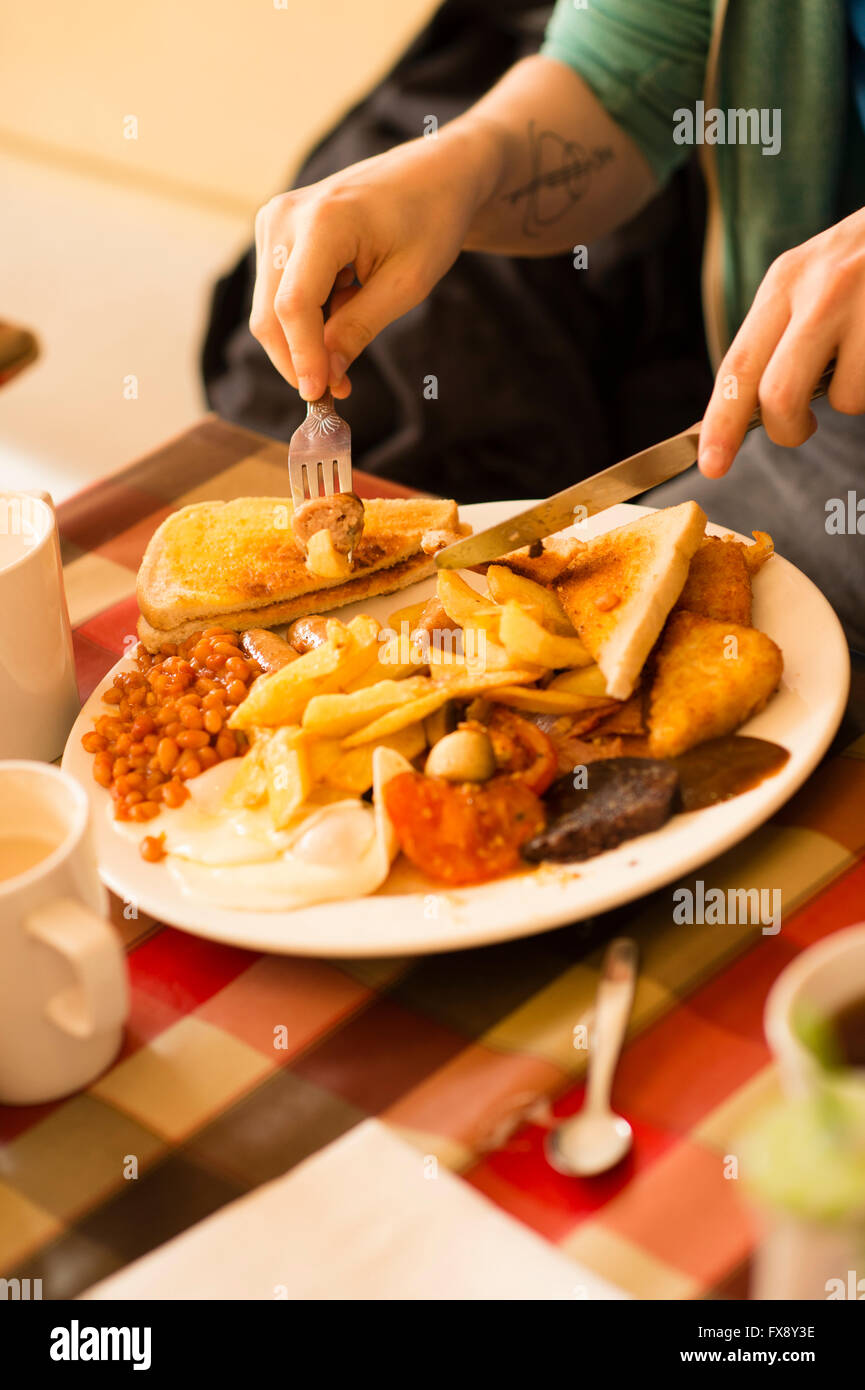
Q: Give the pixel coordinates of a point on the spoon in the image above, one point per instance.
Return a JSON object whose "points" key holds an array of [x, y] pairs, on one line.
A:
{"points": [[597, 1138]]}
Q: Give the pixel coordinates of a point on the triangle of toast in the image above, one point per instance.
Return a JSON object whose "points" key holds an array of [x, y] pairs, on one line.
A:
{"points": [[621, 586]]}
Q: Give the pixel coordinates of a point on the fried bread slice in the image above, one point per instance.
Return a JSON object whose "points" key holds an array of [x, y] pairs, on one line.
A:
{"points": [[383, 581], [215, 558]]}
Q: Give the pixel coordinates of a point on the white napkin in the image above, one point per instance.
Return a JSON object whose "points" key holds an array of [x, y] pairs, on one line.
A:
{"points": [[358, 1220]]}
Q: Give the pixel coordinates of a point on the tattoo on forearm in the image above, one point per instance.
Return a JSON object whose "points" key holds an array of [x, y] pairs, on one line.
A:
{"points": [[561, 174]]}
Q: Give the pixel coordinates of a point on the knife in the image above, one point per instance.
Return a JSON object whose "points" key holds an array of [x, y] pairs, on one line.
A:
{"points": [[619, 483]]}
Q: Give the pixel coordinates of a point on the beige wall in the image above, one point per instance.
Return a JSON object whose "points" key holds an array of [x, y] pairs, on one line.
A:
{"points": [[111, 246], [228, 93]]}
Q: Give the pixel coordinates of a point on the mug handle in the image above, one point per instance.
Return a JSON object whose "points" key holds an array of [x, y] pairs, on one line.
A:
{"points": [[99, 998]]}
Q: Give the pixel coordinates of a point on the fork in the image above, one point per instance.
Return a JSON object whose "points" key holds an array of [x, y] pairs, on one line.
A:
{"points": [[319, 454]]}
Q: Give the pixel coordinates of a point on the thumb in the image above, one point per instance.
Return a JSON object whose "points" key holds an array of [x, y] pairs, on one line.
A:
{"points": [[387, 295]]}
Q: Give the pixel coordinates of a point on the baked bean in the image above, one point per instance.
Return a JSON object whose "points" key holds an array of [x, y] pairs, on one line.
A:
{"points": [[102, 773], [152, 848], [226, 745], [212, 721], [168, 752], [165, 721], [193, 738]]}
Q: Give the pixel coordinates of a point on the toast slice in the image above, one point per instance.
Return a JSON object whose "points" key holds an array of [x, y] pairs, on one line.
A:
{"points": [[241, 560], [620, 587], [384, 581], [545, 561], [709, 678]]}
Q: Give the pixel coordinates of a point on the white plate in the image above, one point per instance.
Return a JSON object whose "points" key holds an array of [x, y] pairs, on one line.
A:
{"points": [[411, 915]]}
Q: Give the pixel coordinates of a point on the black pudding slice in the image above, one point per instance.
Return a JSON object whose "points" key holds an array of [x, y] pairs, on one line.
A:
{"points": [[623, 797]]}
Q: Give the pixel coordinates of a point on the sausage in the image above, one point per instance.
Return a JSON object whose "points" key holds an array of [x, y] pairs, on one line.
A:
{"points": [[270, 651], [341, 514], [434, 618], [306, 633]]}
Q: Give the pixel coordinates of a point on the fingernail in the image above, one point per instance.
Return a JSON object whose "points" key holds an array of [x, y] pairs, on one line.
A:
{"points": [[307, 387], [338, 366], [713, 461]]}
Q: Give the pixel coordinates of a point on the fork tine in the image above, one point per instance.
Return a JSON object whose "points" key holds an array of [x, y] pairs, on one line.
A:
{"points": [[309, 473], [343, 466], [295, 481]]}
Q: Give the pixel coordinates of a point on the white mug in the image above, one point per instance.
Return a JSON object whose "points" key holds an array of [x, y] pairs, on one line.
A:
{"points": [[797, 1258], [824, 978], [64, 994], [38, 691]]}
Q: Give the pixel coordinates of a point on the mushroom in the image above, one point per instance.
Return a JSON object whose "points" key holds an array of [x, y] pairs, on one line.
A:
{"points": [[466, 755]]}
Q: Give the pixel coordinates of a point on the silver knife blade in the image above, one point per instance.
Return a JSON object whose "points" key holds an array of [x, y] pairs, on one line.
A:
{"points": [[623, 481], [616, 484]]}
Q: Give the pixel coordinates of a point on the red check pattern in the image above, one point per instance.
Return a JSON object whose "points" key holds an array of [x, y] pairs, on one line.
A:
{"points": [[237, 1065]]}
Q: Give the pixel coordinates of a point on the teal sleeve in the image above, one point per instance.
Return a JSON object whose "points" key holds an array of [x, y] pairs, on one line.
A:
{"points": [[643, 59]]}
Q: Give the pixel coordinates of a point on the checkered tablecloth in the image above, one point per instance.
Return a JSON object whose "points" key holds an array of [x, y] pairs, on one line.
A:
{"points": [[465, 1055]]}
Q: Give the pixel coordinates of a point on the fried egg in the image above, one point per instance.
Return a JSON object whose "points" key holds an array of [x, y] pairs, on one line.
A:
{"points": [[233, 857]]}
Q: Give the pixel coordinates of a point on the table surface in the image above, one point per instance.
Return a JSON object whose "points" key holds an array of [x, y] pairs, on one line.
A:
{"points": [[468, 1056]]}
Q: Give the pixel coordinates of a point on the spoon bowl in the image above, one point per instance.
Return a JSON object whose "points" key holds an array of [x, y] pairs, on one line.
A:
{"points": [[597, 1138], [589, 1144]]}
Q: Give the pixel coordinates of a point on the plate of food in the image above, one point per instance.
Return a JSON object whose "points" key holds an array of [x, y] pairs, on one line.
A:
{"points": [[332, 749]]}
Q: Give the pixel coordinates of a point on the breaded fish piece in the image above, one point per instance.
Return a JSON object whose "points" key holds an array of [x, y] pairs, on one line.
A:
{"points": [[718, 584], [709, 678], [756, 555]]}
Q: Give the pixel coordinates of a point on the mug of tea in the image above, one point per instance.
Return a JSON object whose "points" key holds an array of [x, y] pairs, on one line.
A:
{"points": [[814, 1242], [38, 691], [63, 983], [817, 1005]]}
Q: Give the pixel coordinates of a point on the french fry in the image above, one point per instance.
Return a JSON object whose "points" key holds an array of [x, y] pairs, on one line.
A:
{"points": [[322, 753], [289, 780], [525, 641], [586, 680], [465, 606], [280, 698], [548, 701], [324, 559], [481, 654], [248, 786], [399, 718], [409, 614], [542, 604], [353, 772], [383, 668], [341, 714], [435, 695]]}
